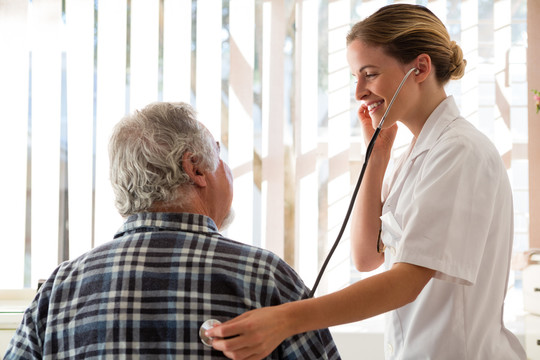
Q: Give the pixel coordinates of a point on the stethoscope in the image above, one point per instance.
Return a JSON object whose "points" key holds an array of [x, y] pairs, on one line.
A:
{"points": [[208, 324], [369, 149]]}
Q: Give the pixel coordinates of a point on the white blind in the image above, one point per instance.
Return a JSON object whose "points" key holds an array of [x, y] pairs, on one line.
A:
{"points": [[14, 83], [268, 78]]}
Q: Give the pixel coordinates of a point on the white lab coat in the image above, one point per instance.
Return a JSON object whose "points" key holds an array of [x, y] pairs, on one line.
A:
{"points": [[448, 207]]}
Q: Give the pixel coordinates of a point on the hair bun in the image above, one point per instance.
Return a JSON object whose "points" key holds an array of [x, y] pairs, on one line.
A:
{"points": [[457, 63]]}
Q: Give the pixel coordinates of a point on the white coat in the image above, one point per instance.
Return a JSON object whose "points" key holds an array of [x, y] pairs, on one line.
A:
{"points": [[449, 208]]}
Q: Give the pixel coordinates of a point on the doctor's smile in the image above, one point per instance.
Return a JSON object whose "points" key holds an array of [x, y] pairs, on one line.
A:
{"points": [[371, 107]]}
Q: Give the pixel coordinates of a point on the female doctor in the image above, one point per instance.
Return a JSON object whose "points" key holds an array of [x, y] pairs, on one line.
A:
{"points": [[444, 227]]}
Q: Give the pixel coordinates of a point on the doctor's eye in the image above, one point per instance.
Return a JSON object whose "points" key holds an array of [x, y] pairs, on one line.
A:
{"points": [[370, 75]]}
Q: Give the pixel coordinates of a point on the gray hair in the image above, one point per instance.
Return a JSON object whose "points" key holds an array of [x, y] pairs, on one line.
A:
{"points": [[146, 150]]}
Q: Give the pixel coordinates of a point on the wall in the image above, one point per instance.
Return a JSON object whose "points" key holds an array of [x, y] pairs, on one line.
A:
{"points": [[533, 78]]}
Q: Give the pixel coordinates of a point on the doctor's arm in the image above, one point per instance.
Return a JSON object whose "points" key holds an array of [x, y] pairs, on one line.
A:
{"points": [[255, 334], [365, 219]]}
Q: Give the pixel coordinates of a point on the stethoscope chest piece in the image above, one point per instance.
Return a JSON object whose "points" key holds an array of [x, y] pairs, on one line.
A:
{"points": [[207, 325]]}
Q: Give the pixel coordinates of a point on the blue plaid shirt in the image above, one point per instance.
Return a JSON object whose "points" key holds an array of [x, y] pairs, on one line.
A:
{"points": [[145, 295]]}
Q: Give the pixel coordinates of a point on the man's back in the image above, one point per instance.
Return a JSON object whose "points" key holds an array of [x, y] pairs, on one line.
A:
{"points": [[146, 294]]}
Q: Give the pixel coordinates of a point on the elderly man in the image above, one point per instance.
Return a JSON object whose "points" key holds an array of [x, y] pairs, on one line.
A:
{"points": [[146, 293]]}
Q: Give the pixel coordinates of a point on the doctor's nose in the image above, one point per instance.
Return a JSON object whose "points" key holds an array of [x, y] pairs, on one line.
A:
{"points": [[360, 90]]}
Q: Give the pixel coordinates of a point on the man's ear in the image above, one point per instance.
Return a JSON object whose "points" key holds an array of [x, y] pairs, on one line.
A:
{"points": [[193, 170]]}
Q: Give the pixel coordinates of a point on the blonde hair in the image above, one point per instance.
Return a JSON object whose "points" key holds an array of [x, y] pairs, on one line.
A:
{"points": [[405, 31], [146, 150]]}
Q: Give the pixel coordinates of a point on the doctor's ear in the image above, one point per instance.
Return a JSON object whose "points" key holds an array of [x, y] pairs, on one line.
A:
{"points": [[423, 66]]}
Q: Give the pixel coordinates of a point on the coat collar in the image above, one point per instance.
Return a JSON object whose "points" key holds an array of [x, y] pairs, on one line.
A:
{"points": [[443, 115]]}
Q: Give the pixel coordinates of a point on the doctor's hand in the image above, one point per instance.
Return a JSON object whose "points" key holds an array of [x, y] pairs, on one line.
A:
{"points": [[386, 136], [252, 335]]}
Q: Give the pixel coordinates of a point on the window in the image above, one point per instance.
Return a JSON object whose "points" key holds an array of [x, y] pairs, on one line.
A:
{"points": [[270, 81]]}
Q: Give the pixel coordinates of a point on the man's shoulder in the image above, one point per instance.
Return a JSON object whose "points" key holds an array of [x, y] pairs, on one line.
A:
{"points": [[248, 252]]}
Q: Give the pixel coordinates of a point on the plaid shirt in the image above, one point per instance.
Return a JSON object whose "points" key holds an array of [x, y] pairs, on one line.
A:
{"points": [[145, 295]]}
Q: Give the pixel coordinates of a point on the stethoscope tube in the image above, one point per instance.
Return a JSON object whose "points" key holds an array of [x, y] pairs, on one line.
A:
{"points": [[208, 324], [369, 149]]}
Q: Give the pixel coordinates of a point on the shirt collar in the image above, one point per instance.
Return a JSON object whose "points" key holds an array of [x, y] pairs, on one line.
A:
{"points": [[444, 114], [157, 221]]}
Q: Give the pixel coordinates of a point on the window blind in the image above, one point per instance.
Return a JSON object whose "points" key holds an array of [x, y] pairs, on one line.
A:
{"points": [[268, 78]]}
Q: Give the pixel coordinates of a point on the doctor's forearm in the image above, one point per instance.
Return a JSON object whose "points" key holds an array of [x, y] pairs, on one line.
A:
{"points": [[364, 299], [365, 219]]}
